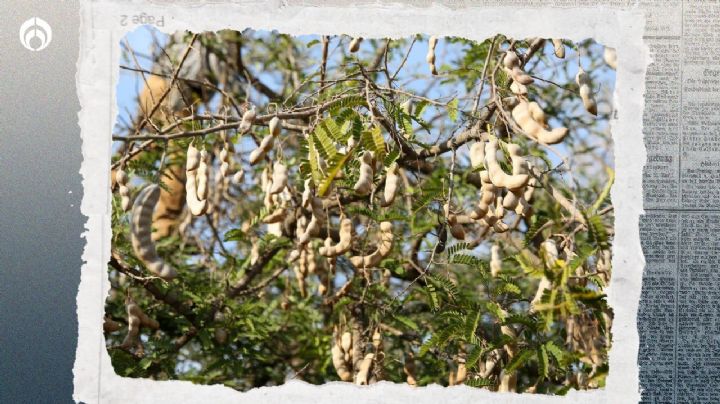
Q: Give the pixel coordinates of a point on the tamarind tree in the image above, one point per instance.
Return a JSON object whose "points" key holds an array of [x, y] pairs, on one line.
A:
{"points": [[417, 210]]}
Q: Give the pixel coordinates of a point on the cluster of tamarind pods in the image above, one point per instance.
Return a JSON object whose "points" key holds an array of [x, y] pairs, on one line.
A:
{"points": [[499, 192]]}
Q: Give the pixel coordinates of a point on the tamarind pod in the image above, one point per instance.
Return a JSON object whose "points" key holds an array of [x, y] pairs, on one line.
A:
{"points": [[238, 176], [409, 369], [521, 114], [384, 247], [110, 325], [343, 245], [517, 74], [544, 285], [549, 252], [125, 203], [510, 200], [451, 378], [276, 216], [223, 155], [522, 206], [537, 113], [495, 260], [499, 208], [511, 62], [203, 176], [363, 186], [559, 48], [490, 361], [141, 233], [307, 193], [583, 80], [610, 57], [311, 229], [457, 231], [500, 227], [293, 256], [134, 310], [274, 126], [247, 120], [193, 158], [346, 341], [430, 57], [508, 382], [123, 190], [279, 178], [588, 99], [488, 191], [196, 205], [254, 252], [131, 338], [266, 144], [121, 176], [518, 89], [276, 228], [339, 363], [361, 378], [355, 44], [461, 374], [497, 176], [311, 264], [477, 154], [463, 219], [392, 183]]}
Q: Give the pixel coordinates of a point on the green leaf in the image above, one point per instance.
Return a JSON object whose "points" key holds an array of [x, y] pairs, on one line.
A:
{"points": [[471, 324], [323, 143], [408, 322], [378, 142], [543, 361], [538, 223], [312, 43], [519, 360], [322, 189], [453, 109], [557, 352], [234, 235], [478, 382], [597, 231], [605, 192], [474, 356]]}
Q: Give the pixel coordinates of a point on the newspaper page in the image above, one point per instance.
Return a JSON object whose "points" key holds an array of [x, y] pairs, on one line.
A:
{"points": [[678, 348]]}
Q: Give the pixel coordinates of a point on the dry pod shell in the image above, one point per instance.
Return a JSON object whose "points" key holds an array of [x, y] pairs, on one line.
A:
{"points": [[392, 184], [559, 48], [355, 44], [343, 245], [497, 176], [610, 57], [384, 246], [586, 94], [523, 115], [363, 186], [430, 57], [141, 233]]}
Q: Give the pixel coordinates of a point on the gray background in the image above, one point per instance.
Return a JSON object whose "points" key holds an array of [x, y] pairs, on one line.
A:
{"points": [[40, 193]]}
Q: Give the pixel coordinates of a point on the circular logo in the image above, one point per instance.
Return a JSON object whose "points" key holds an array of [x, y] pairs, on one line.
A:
{"points": [[35, 34]]}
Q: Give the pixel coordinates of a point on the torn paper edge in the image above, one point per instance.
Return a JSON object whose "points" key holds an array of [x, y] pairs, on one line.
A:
{"points": [[100, 34]]}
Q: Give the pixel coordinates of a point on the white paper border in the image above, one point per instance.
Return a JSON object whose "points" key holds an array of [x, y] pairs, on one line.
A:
{"points": [[94, 378]]}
